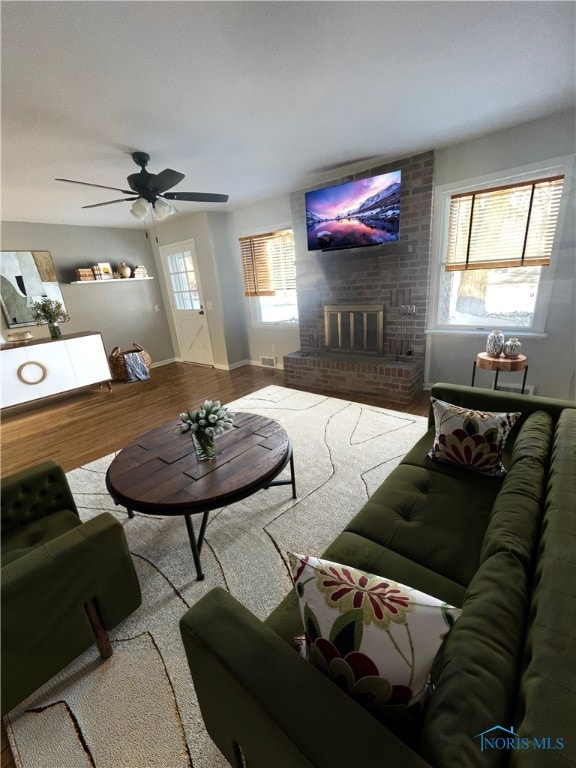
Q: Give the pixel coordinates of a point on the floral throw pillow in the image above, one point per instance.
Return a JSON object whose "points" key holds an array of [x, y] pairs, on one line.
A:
{"points": [[471, 439], [375, 638]]}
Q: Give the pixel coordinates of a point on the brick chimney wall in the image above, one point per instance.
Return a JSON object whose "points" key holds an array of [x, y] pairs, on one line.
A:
{"points": [[379, 275]]}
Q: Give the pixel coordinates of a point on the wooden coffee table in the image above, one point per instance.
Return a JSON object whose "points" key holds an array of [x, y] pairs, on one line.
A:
{"points": [[159, 474]]}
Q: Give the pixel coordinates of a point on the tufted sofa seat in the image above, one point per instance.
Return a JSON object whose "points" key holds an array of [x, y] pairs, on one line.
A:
{"points": [[503, 550], [64, 582]]}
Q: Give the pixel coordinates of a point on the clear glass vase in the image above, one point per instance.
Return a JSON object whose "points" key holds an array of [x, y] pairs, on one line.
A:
{"points": [[205, 446], [55, 332]]}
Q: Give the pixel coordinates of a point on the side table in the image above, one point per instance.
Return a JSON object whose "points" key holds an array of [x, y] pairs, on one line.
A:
{"points": [[501, 365]]}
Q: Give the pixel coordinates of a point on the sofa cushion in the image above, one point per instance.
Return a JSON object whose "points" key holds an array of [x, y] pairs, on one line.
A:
{"points": [[470, 438], [36, 534], [417, 456], [366, 555], [515, 519], [374, 637], [435, 518], [476, 678]]}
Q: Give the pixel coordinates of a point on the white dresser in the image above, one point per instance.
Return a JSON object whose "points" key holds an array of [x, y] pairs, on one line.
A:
{"points": [[41, 368]]}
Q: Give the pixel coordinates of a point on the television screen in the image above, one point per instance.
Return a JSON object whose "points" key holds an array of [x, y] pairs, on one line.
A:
{"points": [[354, 215]]}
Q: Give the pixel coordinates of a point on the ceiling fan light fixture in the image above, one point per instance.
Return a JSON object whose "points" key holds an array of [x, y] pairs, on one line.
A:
{"points": [[163, 209], [148, 193], [140, 208]]}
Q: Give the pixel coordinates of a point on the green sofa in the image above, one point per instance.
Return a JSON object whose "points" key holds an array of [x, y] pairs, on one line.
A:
{"points": [[64, 582], [505, 678]]}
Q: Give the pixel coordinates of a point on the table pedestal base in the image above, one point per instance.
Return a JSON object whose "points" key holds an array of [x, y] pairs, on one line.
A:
{"points": [[196, 543]]}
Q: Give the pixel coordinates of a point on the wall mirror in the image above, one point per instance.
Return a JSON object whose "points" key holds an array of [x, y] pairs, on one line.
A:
{"points": [[26, 277]]}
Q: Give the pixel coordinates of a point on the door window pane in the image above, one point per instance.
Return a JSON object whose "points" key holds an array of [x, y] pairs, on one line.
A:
{"points": [[183, 280]]}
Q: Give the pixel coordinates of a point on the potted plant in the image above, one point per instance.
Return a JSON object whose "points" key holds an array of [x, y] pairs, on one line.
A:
{"points": [[51, 313]]}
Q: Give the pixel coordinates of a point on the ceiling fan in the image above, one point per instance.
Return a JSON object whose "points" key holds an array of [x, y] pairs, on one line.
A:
{"points": [[148, 191]]}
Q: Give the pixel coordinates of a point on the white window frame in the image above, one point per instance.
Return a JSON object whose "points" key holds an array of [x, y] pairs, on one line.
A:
{"points": [[255, 309], [442, 197]]}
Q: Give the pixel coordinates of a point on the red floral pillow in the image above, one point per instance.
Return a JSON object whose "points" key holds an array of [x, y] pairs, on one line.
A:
{"points": [[471, 439], [373, 637]]}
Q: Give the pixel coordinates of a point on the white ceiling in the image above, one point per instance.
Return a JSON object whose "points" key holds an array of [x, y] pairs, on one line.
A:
{"points": [[255, 99]]}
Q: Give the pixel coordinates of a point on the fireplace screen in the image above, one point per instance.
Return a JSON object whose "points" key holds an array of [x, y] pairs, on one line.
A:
{"points": [[357, 328]]}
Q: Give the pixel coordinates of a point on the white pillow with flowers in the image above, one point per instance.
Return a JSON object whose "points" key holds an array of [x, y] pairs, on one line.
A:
{"points": [[375, 638]]}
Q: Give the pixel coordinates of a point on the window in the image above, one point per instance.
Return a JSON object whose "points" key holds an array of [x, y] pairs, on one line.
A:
{"points": [[183, 280], [270, 276], [498, 242]]}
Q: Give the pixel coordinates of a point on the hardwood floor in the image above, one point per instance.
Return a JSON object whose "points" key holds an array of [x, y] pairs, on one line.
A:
{"points": [[79, 427]]}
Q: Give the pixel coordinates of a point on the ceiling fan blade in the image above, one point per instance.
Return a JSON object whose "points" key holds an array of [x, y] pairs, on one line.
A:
{"points": [[100, 186], [167, 179], [196, 197], [109, 202]]}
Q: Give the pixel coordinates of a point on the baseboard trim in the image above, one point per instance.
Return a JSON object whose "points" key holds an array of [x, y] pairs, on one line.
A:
{"points": [[232, 366], [218, 366], [165, 362]]}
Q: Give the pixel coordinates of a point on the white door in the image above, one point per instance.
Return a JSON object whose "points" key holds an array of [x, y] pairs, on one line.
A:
{"points": [[181, 274]]}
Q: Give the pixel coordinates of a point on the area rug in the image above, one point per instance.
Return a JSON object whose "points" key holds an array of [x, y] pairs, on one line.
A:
{"points": [[138, 709]]}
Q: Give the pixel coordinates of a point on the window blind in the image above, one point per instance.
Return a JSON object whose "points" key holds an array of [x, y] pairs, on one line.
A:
{"points": [[268, 263], [509, 226]]}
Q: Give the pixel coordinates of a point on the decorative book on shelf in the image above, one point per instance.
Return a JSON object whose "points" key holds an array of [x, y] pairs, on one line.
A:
{"points": [[85, 274]]}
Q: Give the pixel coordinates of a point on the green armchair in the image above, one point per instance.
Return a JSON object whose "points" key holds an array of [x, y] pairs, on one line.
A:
{"points": [[64, 583]]}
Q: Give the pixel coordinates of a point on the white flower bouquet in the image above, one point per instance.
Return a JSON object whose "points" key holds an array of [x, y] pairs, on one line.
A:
{"points": [[211, 418]]}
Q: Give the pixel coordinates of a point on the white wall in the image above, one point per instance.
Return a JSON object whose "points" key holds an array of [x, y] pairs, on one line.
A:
{"points": [[124, 312], [129, 313], [551, 357], [194, 226], [229, 274], [235, 340], [267, 216], [220, 276]]}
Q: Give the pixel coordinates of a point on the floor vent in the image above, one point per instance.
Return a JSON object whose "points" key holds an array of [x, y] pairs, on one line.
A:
{"points": [[268, 362]]}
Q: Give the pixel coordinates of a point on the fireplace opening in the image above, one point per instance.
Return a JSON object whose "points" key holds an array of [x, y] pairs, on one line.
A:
{"points": [[354, 328]]}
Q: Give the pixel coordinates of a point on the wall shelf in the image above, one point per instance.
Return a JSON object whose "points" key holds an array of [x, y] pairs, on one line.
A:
{"points": [[107, 282]]}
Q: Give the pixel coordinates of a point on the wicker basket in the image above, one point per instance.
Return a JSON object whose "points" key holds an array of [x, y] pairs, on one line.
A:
{"points": [[117, 364]]}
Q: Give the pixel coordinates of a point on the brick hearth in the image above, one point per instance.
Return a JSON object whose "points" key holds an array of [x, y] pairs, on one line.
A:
{"points": [[400, 381]]}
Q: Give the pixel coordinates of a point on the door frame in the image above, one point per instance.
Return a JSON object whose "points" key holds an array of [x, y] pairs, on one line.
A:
{"points": [[163, 251]]}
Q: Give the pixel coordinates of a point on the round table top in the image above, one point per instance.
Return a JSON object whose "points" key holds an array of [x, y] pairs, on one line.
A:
{"points": [[159, 473], [501, 363]]}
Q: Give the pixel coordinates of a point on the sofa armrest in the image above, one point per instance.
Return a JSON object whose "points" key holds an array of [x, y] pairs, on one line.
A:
{"points": [[91, 560], [262, 702]]}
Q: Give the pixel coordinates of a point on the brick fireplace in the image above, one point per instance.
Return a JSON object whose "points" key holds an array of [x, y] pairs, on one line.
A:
{"points": [[363, 311]]}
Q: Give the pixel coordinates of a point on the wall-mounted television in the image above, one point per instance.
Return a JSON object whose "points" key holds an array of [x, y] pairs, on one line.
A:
{"points": [[354, 215]]}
